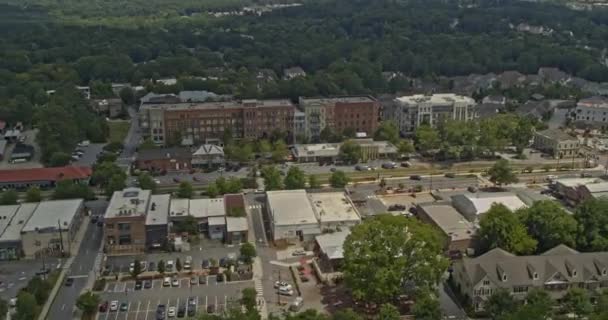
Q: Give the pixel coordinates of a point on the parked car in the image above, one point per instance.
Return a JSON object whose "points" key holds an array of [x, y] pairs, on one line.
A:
{"points": [[175, 282], [389, 165], [181, 311], [282, 284], [472, 189], [171, 313], [396, 207], [147, 284], [167, 282], [103, 307], [124, 306], [193, 280], [362, 167], [114, 305], [406, 164], [69, 282], [285, 291], [160, 312], [202, 279], [586, 175], [205, 264], [450, 175], [415, 177], [138, 285]]}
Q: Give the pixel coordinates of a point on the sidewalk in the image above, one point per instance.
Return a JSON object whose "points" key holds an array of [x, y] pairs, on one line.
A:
{"points": [[258, 273]]}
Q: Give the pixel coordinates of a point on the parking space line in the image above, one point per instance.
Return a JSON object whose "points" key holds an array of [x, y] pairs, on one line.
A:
{"points": [[147, 310], [128, 310], [137, 313], [225, 297], [117, 312], [206, 305]]}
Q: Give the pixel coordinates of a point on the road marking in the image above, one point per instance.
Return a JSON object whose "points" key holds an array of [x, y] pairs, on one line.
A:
{"points": [[128, 310], [80, 276], [107, 313], [137, 313], [63, 307], [117, 312], [206, 305], [215, 302], [147, 310], [225, 300]]}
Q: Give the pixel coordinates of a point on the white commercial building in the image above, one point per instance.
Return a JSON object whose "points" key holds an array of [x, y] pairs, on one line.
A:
{"points": [[472, 206], [409, 112], [291, 215], [52, 226], [334, 210]]}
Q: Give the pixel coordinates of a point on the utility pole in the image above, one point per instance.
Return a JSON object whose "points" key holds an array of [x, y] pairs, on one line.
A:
{"points": [[278, 292]]}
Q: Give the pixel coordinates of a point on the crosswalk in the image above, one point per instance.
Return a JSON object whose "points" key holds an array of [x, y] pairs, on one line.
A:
{"points": [[372, 196], [255, 206]]}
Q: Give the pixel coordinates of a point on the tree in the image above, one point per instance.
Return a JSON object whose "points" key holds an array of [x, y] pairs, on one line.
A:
{"points": [[178, 265], [577, 302], [272, 178], [9, 197], [117, 182], [59, 159], [389, 312], [67, 189], [249, 299], [313, 182], [501, 173], [338, 179], [539, 304], [26, 308], [185, 190], [148, 144], [295, 179], [387, 131], [33, 194], [426, 306], [427, 138], [406, 254], [188, 224], [248, 252], [146, 182], [280, 151], [88, 303], [350, 152], [104, 171], [500, 228], [549, 224], [592, 219], [136, 268], [127, 95], [264, 146], [161, 266], [212, 190], [3, 309], [500, 303], [405, 147]]}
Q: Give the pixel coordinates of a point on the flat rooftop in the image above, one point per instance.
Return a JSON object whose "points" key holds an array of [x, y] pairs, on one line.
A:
{"points": [[344, 99], [201, 208], [290, 207], [128, 202], [158, 212], [437, 99], [450, 221], [236, 224], [333, 207], [576, 182], [219, 105], [6, 215], [332, 244], [179, 207], [12, 232], [48, 214]]}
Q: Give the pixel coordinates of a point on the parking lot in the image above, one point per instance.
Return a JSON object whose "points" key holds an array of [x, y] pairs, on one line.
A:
{"points": [[89, 157], [14, 275], [141, 304]]}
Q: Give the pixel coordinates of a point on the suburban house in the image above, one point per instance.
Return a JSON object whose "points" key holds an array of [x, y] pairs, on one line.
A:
{"points": [[164, 159], [557, 143], [555, 271]]}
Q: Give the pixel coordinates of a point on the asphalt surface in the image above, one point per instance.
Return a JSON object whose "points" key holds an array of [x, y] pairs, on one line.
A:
{"points": [[255, 205], [14, 275], [131, 141], [142, 303], [90, 154], [64, 303]]}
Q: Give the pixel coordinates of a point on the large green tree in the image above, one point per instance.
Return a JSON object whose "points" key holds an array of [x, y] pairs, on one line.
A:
{"points": [[387, 131], [501, 173], [500, 303], [338, 179], [88, 303], [146, 182], [350, 152], [592, 219], [272, 178], [427, 138], [386, 254], [185, 190], [426, 306], [33, 194], [577, 302], [501, 228], [294, 179], [549, 224]]}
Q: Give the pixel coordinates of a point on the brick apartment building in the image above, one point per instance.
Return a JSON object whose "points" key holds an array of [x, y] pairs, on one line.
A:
{"points": [[360, 113], [172, 123]]}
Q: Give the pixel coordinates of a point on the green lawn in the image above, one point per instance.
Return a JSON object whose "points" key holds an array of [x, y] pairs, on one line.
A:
{"points": [[118, 130]]}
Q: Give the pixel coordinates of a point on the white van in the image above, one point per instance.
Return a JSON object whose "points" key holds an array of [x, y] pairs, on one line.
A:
{"points": [[167, 282], [169, 266], [188, 263]]}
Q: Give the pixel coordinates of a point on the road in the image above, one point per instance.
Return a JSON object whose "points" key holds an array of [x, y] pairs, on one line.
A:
{"points": [[84, 261], [131, 142]]}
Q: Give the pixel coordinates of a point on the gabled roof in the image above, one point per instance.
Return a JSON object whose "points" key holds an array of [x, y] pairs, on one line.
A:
{"points": [[557, 265]]}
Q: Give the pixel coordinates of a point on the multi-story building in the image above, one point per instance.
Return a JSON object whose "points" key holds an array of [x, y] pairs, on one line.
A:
{"points": [[360, 113], [557, 143], [592, 112], [125, 221], [172, 123], [409, 112], [555, 271]]}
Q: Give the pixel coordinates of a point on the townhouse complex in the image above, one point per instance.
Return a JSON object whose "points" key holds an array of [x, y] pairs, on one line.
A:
{"points": [[173, 121]]}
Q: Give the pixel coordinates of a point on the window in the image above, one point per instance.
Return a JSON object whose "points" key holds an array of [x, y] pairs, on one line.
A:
{"points": [[486, 282], [124, 227], [109, 226], [124, 239]]}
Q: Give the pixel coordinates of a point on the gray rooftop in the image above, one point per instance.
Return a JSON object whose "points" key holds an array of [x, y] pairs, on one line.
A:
{"points": [[217, 221], [333, 207], [12, 232], [332, 100], [556, 134], [200, 208], [179, 207], [450, 221], [49, 214], [290, 207], [164, 153], [6, 215], [236, 224], [332, 244], [158, 211], [209, 150], [128, 202]]}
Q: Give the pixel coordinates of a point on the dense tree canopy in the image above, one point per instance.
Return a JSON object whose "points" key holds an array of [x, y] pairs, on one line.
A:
{"points": [[387, 254], [501, 228]]}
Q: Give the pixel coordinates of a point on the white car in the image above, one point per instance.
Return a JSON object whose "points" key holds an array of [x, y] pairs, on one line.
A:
{"points": [[114, 305], [282, 284], [171, 312], [167, 282], [84, 143], [286, 291], [175, 282]]}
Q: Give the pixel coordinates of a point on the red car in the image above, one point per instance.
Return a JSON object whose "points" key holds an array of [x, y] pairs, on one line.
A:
{"points": [[103, 307]]}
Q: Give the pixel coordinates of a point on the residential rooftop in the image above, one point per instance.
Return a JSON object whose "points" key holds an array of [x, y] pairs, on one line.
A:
{"points": [[12, 232], [333, 207], [290, 207], [6, 215], [450, 221], [50, 214], [128, 202], [556, 134], [158, 211], [179, 207], [332, 244], [236, 224]]}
